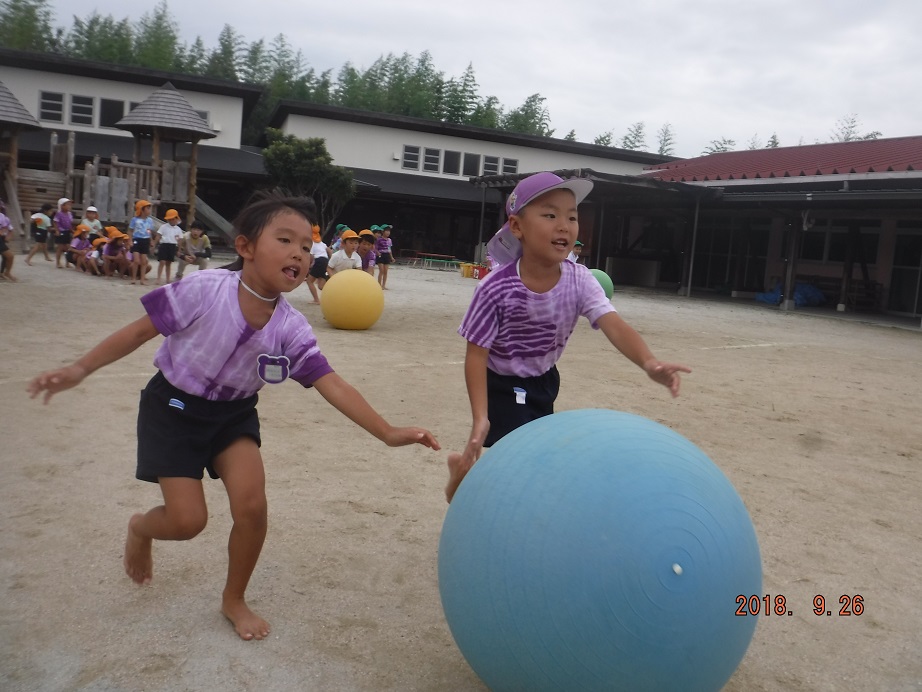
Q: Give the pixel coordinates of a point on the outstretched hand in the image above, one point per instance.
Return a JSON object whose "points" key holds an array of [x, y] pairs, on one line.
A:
{"points": [[399, 437], [55, 381], [667, 374]]}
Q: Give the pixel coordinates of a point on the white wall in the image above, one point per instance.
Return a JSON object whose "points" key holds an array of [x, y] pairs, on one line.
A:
{"points": [[225, 112], [380, 148]]}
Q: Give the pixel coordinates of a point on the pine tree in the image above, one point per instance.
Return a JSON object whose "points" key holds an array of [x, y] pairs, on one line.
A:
{"points": [[26, 24], [635, 138], [773, 142], [666, 140]]}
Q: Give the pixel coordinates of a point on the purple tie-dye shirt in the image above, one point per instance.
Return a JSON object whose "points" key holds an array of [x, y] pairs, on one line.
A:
{"points": [[210, 351], [525, 331]]}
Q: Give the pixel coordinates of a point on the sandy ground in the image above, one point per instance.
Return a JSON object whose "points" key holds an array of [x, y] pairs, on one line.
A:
{"points": [[815, 421]]}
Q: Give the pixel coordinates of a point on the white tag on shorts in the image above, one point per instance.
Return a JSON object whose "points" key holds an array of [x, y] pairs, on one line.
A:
{"points": [[519, 395]]}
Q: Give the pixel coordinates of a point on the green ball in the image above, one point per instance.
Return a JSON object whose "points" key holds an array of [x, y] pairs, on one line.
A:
{"points": [[605, 280]]}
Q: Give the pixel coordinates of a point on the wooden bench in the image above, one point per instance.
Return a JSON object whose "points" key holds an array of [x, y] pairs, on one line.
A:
{"points": [[862, 295]]}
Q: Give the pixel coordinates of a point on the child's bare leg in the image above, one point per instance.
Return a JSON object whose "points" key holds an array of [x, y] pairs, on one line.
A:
{"points": [[313, 289], [182, 516], [241, 469]]}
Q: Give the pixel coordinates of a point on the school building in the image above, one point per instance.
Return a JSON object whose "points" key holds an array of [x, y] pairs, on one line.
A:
{"points": [[846, 217]]}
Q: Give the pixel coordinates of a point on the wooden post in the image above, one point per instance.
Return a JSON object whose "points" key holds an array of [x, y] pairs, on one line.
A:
{"points": [[155, 174], [193, 185], [52, 149], [89, 185], [136, 154]]}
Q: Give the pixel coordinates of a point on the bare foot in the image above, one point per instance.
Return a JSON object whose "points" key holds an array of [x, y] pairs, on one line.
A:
{"points": [[29, 263], [139, 563], [143, 282], [247, 624], [315, 302], [132, 282], [455, 475]]}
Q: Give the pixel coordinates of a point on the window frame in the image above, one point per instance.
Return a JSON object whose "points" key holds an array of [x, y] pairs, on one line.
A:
{"points": [[43, 101], [410, 159]]}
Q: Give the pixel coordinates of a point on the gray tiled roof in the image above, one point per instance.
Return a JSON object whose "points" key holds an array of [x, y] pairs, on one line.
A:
{"points": [[168, 111], [12, 112]]}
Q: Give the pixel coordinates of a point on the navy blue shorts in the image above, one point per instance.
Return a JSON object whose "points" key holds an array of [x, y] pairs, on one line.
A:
{"points": [[514, 401], [179, 434]]}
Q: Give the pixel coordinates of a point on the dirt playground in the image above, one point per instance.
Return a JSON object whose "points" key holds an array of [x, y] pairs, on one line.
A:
{"points": [[816, 421]]}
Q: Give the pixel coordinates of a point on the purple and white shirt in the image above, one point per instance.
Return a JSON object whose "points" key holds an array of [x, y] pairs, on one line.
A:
{"points": [[369, 259], [525, 331], [383, 245], [210, 350]]}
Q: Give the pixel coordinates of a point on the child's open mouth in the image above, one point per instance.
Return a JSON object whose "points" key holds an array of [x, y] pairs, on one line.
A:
{"points": [[291, 272]]}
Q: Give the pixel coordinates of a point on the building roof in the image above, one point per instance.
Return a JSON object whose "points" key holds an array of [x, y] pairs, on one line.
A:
{"points": [[12, 112], [167, 111], [288, 107], [894, 155], [53, 62]]}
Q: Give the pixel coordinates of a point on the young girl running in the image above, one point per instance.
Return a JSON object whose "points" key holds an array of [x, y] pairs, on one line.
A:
{"points": [[41, 223], [228, 332], [142, 230]]}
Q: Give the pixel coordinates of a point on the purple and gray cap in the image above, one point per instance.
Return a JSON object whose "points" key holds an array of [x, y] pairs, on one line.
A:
{"points": [[505, 247]]}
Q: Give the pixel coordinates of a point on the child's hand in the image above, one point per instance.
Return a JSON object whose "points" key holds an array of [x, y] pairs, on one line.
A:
{"points": [[667, 374], [398, 437], [55, 381]]}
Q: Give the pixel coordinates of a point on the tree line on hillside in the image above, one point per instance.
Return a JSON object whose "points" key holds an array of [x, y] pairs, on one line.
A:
{"points": [[393, 84]]}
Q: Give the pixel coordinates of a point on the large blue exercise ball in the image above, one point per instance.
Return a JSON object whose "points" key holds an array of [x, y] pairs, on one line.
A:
{"points": [[598, 550]]}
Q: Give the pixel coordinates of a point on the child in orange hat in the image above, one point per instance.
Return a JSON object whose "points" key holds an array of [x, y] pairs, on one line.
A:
{"points": [[166, 241], [142, 231]]}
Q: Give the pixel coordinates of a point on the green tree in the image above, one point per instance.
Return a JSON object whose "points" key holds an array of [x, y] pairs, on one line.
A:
{"points": [[487, 113], [256, 66], [665, 138], [635, 138], [531, 118], [773, 142], [304, 167], [101, 38], [754, 142], [156, 39], [224, 61], [571, 136], [26, 25], [604, 140], [847, 130], [718, 146]]}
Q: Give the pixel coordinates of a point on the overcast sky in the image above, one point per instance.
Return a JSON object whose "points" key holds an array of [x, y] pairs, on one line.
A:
{"points": [[711, 68]]}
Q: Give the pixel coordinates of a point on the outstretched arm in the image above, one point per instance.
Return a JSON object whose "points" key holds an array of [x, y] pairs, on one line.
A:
{"points": [[118, 345], [631, 344], [347, 400]]}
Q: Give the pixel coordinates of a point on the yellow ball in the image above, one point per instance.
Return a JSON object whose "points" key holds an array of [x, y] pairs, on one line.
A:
{"points": [[352, 299]]}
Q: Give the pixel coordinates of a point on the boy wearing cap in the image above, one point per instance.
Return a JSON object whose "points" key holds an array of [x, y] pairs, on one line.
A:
{"points": [[91, 220], [166, 240], [346, 257], [575, 253], [195, 249], [63, 229], [142, 230], [41, 223], [366, 250], [523, 313]]}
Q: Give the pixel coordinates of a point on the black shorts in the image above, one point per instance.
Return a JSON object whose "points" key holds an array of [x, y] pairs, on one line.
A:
{"points": [[3, 246], [63, 238], [40, 235], [140, 246], [319, 268], [166, 252], [385, 258], [179, 434], [514, 401]]}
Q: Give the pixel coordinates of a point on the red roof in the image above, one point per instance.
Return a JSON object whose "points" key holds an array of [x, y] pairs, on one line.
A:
{"points": [[837, 158]]}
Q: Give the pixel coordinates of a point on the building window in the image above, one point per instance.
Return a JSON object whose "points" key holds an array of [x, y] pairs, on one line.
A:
{"points": [[491, 165], [827, 241], [510, 166], [431, 160], [410, 157], [471, 164], [81, 110], [204, 115], [110, 112], [451, 164], [51, 106]]}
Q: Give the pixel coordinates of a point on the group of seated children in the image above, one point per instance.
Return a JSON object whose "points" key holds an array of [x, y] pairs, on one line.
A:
{"points": [[107, 251], [350, 250]]}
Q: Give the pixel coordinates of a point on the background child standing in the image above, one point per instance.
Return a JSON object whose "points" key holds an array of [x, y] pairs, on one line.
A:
{"points": [[384, 248], [228, 333], [142, 230], [63, 230], [41, 223], [167, 241], [523, 313]]}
